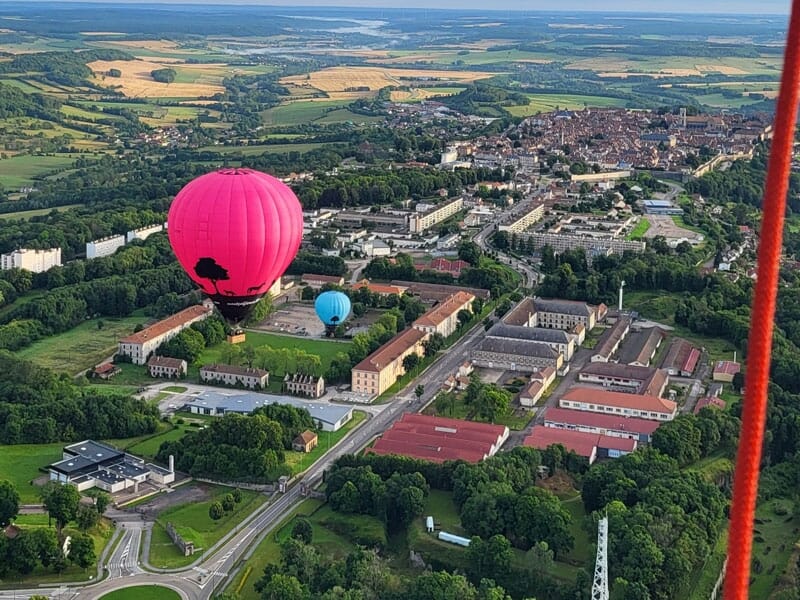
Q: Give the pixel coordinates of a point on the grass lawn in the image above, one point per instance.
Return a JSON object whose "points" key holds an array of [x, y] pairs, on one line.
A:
{"points": [[515, 419], [441, 507], [549, 102], [142, 592], [27, 214], [300, 461], [298, 113], [773, 541], [21, 170], [343, 115], [193, 523], [324, 349], [258, 150], [20, 464], [706, 578], [81, 347], [582, 550], [178, 389], [638, 232], [149, 448]]}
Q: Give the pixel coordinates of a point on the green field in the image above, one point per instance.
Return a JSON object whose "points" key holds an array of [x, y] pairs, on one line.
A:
{"points": [[81, 347], [774, 537], [19, 171], [298, 113], [20, 465], [717, 100], [549, 102], [27, 214], [300, 461], [149, 448], [20, 85], [142, 592], [638, 232], [324, 349], [193, 523]]}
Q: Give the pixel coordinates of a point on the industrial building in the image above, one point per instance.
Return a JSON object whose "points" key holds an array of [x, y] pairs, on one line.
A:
{"points": [[589, 445], [681, 358], [35, 261]]}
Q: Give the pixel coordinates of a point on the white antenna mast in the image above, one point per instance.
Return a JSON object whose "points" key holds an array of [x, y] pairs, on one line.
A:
{"points": [[600, 584]]}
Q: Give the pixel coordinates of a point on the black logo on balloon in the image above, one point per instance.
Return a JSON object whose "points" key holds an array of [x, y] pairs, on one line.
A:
{"points": [[207, 268], [255, 288]]}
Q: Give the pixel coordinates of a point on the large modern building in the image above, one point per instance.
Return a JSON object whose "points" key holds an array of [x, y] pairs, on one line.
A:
{"points": [[561, 242], [331, 416], [143, 232], [438, 439], [619, 403], [443, 318], [105, 246], [419, 222], [89, 464], [625, 378], [140, 346], [35, 261], [235, 375], [376, 373], [606, 424]]}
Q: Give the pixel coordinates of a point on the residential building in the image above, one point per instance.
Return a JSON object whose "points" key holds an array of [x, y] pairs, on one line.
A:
{"points": [[35, 261], [380, 288], [328, 417], [724, 370], [305, 442], [710, 401], [234, 375], [141, 345], [105, 246], [522, 218], [641, 346], [304, 385], [515, 355], [557, 339], [564, 314], [143, 232], [317, 281], [625, 378], [443, 318], [436, 292], [609, 342], [165, 366], [438, 439], [681, 358], [539, 382], [420, 222], [561, 242], [89, 464], [589, 445], [606, 424], [377, 372], [629, 405], [106, 371]]}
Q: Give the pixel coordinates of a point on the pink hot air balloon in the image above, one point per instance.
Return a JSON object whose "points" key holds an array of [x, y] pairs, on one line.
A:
{"points": [[235, 231]]}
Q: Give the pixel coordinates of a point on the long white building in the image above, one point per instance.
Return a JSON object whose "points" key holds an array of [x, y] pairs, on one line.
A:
{"points": [[143, 232], [36, 261], [419, 222], [105, 246]]}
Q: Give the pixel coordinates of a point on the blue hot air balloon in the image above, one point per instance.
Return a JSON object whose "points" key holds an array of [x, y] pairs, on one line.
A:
{"points": [[332, 309]]}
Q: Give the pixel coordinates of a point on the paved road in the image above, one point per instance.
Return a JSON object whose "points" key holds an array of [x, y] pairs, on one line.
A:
{"points": [[530, 275], [215, 566]]}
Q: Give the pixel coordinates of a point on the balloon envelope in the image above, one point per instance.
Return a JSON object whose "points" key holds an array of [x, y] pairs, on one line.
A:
{"points": [[332, 307], [235, 231]]}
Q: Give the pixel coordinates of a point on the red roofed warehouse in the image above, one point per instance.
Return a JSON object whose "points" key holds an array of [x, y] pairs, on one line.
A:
{"points": [[142, 344], [439, 439], [589, 445], [610, 425], [619, 403]]}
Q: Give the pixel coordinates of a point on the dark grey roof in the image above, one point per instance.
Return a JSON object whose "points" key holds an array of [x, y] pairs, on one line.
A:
{"points": [[536, 334], [517, 347], [604, 369], [74, 464], [564, 307], [639, 345], [611, 337], [127, 469], [94, 451], [520, 314]]}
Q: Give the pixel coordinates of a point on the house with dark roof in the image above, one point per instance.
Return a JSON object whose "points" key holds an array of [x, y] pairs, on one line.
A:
{"points": [[610, 340], [557, 339], [641, 346], [515, 355], [165, 366], [681, 358], [564, 314], [625, 378]]}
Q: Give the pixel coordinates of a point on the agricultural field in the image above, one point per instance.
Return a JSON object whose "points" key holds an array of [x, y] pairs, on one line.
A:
{"points": [[618, 66], [22, 170], [548, 102], [474, 56], [27, 214], [192, 81], [20, 465], [299, 112], [81, 347], [258, 150], [338, 82], [419, 94]]}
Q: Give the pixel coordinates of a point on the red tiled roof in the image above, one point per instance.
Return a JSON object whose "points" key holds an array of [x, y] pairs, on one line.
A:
{"points": [[391, 350], [104, 368], [620, 399], [727, 366], [172, 322], [611, 442], [690, 363], [581, 443], [442, 311], [380, 288], [306, 437], [712, 401]]}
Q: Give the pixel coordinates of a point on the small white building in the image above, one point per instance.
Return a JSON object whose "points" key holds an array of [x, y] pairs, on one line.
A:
{"points": [[35, 261]]}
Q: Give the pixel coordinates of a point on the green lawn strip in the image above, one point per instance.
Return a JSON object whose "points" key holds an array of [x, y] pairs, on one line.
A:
{"points": [[300, 112], [81, 347], [20, 465], [193, 523], [27, 214], [299, 461], [439, 505], [149, 448], [774, 536], [706, 577], [178, 389], [581, 553], [638, 232], [142, 592]]}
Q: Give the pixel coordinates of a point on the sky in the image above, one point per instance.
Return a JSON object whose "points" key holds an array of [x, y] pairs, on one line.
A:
{"points": [[675, 6]]}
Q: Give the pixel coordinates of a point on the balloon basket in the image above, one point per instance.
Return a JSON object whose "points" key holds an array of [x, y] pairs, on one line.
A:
{"points": [[237, 337]]}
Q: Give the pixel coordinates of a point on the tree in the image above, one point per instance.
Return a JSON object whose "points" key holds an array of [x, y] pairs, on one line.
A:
{"points": [[464, 317], [489, 558], [302, 530], [237, 495], [9, 503], [419, 390], [101, 501], [81, 550], [284, 587], [433, 344], [215, 511], [410, 362], [87, 517], [61, 503], [470, 252], [228, 503], [491, 403]]}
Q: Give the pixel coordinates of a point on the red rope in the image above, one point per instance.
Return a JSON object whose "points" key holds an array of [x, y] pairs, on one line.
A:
{"points": [[754, 409]]}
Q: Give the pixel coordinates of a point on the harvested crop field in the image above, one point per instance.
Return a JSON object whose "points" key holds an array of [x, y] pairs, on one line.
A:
{"points": [[338, 81], [143, 44], [417, 94], [193, 80]]}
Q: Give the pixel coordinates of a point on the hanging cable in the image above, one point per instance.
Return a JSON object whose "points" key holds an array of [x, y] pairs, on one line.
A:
{"points": [[754, 408]]}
